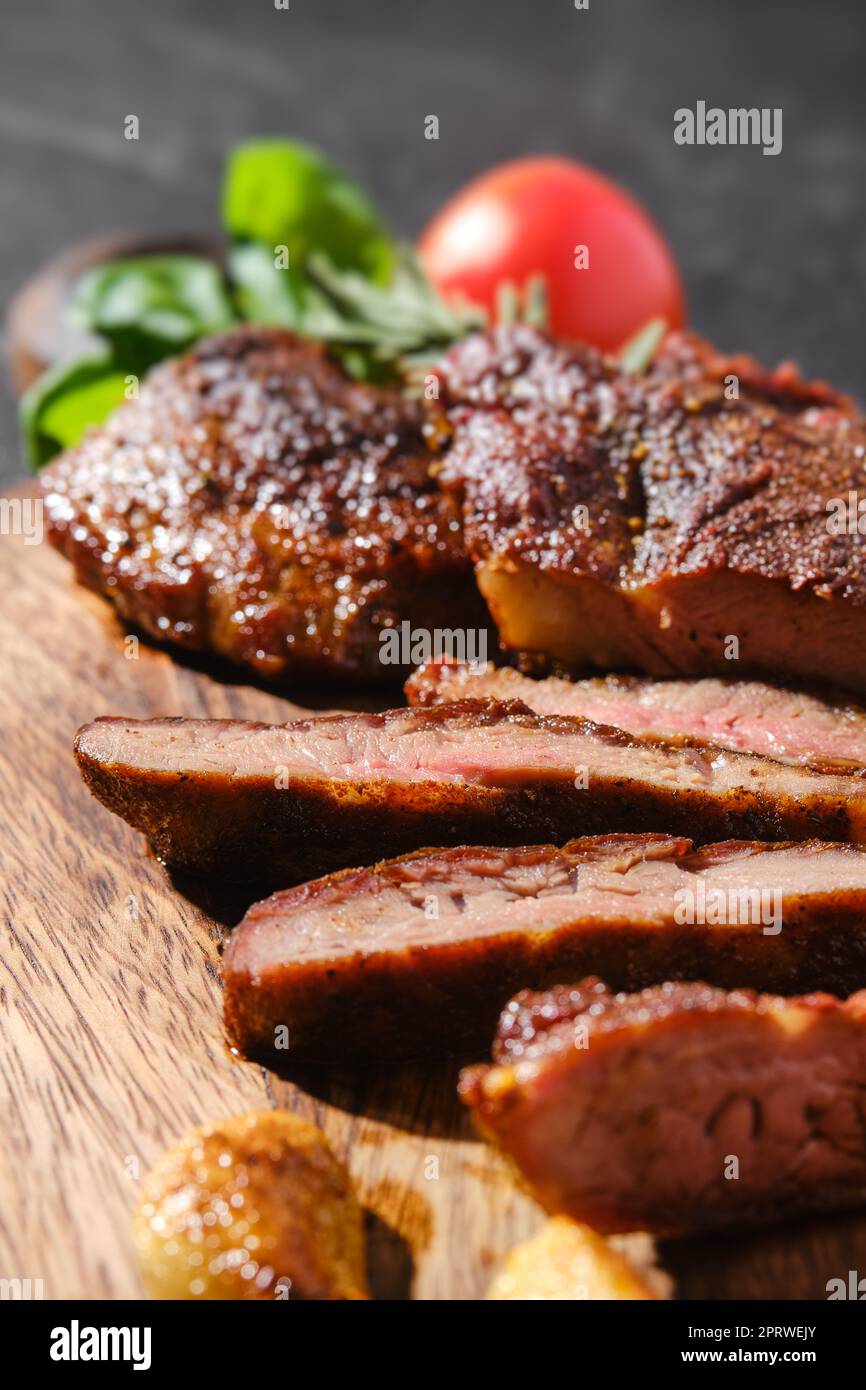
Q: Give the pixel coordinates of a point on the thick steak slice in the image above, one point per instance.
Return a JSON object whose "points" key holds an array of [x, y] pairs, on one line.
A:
{"points": [[675, 523], [257, 503], [283, 803], [682, 1108], [416, 955], [823, 731]]}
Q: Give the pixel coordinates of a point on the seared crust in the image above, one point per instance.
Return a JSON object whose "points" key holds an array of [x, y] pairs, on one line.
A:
{"points": [[257, 503], [689, 480], [234, 822], [640, 522], [532, 423], [534, 1023]]}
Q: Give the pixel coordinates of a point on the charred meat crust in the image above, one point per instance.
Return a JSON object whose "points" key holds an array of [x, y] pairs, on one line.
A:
{"points": [[257, 503], [209, 814], [358, 969], [661, 514], [624, 1111]]}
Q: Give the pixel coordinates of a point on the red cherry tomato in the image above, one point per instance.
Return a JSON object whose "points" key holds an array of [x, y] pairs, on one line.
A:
{"points": [[534, 216]]}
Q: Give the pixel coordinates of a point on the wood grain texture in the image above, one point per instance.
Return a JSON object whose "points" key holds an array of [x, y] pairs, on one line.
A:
{"points": [[110, 1014]]}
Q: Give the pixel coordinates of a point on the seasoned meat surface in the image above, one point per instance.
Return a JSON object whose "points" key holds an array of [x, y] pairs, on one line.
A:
{"points": [[627, 1112], [257, 503], [824, 730], [286, 802], [416, 955], [675, 523]]}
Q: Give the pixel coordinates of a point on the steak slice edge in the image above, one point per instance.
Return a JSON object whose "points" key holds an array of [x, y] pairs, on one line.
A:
{"points": [[680, 1109], [278, 804], [417, 955]]}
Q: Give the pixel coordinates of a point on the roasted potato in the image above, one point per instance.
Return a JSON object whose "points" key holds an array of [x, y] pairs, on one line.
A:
{"points": [[251, 1207], [569, 1261]]}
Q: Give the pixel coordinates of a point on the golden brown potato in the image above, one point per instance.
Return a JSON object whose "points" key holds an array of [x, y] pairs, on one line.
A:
{"points": [[569, 1261], [255, 1206]]}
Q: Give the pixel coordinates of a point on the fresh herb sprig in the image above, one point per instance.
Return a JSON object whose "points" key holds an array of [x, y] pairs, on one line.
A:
{"points": [[637, 355], [307, 251], [141, 310]]}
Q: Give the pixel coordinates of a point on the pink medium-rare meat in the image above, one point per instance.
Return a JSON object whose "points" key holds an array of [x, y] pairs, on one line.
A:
{"points": [[682, 1108], [287, 802], [821, 730], [416, 955], [676, 523]]}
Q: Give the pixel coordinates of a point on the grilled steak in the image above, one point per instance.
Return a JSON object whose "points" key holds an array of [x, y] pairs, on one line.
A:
{"points": [[747, 716], [283, 803], [257, 503], [675, 523], [416, 955], [682, 1108]]}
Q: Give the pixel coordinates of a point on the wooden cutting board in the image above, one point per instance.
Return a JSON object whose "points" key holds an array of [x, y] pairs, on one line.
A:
{"points": [[110, 1013]]}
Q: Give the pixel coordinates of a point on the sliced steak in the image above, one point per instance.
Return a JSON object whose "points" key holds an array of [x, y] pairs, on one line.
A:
{"points": [[683, 1108], [257, 503], [283, 803], [665, 523], [748, 716], [416, 955]]}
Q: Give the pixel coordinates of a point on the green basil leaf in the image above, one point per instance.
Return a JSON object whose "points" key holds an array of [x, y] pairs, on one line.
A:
{"points": [[264, 293], [148, 307], [65, 401], [284, 193]]}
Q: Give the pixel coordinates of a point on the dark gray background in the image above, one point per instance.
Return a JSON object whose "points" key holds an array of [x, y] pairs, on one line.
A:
{"points": [[773, 249]]}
